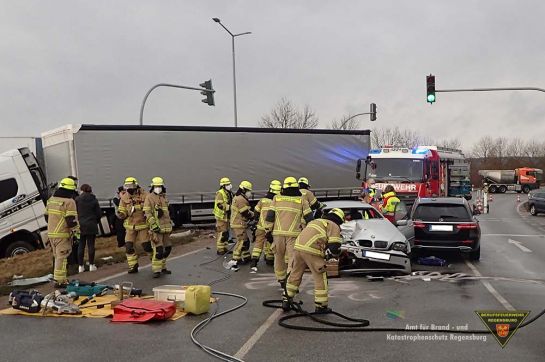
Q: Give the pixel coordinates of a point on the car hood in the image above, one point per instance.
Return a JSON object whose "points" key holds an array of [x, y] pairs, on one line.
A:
{"points": [[373, 229]]}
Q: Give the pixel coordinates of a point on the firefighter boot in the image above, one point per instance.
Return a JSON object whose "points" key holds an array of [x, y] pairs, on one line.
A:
{"points": [[323, 309], [134, 269]]}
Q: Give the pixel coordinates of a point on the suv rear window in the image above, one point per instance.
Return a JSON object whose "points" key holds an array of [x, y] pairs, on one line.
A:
{"points": [[441, 212]]}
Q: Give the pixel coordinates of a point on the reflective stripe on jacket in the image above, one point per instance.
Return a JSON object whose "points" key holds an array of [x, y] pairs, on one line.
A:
{"points": [[221, 204], [263, 207], [317, 235], [289, 213], [58, 209], [240, 205], [135, 219], [309, 196], [152, 205], [389, 203]]}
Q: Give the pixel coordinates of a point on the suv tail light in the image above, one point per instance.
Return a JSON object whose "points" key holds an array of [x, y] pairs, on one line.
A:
{"points": [[419, 225], [466, 226]]}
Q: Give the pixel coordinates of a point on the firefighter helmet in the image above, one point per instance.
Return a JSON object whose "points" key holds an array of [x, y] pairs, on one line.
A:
{"points": [[246, 185], [275, 187], [225, 181], [157, 181], [68, 184], [290, 182]]}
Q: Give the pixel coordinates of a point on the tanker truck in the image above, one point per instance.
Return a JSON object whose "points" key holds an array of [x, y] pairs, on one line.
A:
{"points": [[520, 180]]}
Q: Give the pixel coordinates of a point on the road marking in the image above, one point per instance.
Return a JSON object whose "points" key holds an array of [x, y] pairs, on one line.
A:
{"points": [[246, 347], [148, 265], [516, 235], [519, 245], [490, 288]]}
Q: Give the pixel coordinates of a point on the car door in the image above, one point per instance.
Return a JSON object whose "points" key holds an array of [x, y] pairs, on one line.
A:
{"points": [[540, 201], [403, 221]]}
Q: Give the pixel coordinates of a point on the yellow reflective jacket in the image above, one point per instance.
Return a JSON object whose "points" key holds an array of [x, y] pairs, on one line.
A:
{"points": [[390, 202], [131, 209], [58, 209], [263, 207], [317, 235], [222, 204], [239, 207], [286, 215], [152, 205], [311, 199]]}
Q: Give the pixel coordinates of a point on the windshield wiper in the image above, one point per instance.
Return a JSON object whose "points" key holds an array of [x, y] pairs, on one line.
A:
{"points": [[399, 177]]}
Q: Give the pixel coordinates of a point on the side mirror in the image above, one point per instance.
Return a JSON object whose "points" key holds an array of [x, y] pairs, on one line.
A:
{"points": [[403, 222]]}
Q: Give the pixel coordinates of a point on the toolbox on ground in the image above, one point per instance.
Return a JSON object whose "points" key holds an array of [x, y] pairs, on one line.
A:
{"points": [[170, 293]]}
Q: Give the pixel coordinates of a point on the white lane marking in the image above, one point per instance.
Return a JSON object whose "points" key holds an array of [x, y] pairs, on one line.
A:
{"points": [[148, 265], [516, 235], [490, 288], [519, 245], [246, 347]]}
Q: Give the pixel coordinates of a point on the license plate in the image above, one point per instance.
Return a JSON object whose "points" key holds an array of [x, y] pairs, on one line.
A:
{"points": [[375, 255], [441, 228]]}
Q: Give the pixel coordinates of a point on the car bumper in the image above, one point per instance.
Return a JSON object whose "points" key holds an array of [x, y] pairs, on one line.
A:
{"points": [[463, 248], [373, 260]]}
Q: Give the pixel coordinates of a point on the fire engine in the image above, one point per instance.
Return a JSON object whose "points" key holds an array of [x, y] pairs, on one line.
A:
{"points": [[423, 171]]}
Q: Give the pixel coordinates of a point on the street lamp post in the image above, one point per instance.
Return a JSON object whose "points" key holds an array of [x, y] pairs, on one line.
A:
{"points": [[233, 36]]}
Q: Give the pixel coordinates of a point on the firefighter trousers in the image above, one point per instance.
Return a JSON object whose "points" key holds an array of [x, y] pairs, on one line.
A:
{"points": [[282, 248], [61, 249], [317, 266], [261, 244], [241, 252], [161, 245], [222, 235], [133, 237]]}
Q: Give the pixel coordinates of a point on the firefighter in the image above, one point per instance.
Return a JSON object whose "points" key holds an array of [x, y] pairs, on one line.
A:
{"points": [[131, 209], [284, 222], [319, 237], [222, 213], [160, 225], [370, 194], [260, 240], [389, 203], [241, 215], [62, 227], [304, 187]]}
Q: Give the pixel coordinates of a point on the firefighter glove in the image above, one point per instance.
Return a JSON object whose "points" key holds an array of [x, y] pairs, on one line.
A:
{"points": [[160, 213]]}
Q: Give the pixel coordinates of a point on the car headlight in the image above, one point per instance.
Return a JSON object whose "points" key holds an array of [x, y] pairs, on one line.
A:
{"points": [[399, 246]]}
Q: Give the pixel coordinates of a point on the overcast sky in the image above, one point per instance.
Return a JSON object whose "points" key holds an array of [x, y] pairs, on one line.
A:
{"points": [[92, 62]]}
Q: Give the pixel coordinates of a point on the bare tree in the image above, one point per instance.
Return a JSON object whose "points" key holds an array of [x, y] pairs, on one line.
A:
{"points": [[534, 149], [395, 137], [449, 143], [285, 115], [515, 148], [483, 148], [345, 123]]}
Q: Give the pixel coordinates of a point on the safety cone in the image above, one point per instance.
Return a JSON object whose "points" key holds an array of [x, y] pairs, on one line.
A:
{"points": [[518, 198]]}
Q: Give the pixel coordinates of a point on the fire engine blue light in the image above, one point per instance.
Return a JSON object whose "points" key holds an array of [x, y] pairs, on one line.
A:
{"points": [[374, 152], [420, 151]]}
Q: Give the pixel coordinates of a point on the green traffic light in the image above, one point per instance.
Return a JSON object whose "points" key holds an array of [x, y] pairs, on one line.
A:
{"points": [[431, 98]]}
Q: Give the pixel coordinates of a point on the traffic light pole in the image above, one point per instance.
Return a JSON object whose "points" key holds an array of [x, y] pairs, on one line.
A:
{"points": [[165, 85]]}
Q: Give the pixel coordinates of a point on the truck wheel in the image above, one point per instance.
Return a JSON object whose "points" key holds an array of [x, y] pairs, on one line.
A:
{"points": [[19, 247], [475, 254], [492, 189], [533, 210], [502, 189], [525, 189]]}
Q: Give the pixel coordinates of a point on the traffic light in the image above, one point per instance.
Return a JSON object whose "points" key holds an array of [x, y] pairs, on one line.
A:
{"points": [[430, 83], [373, 112], [209, 93]]}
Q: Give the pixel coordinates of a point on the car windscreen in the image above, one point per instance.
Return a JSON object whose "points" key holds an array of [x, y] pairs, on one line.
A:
{"points": [[441, 212], [393, 168], [359, 213]]}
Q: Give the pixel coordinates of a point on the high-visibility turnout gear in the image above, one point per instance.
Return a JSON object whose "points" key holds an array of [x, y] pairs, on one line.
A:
{"points": [[157, 181], [131, 209], [62, 223], [224, 181], [160, 225], [311, 199], [389, 203], [309, 252], [290, 182], [240, 215], [222, 210], [260, 242], [246, 185], [68, 184], [285, 220]]}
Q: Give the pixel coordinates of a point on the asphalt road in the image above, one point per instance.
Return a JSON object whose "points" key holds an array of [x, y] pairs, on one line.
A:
{"points": [[513, 253]]}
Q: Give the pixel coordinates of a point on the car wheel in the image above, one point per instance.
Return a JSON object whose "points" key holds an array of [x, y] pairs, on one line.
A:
{"points": [[19, 247], [475, 254], [492, 189], [525, 189], [533, 210], [503, 189]]}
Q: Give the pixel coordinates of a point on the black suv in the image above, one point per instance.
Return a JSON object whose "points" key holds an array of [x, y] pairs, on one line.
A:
{"points": [[446, 224], [536, 202]]}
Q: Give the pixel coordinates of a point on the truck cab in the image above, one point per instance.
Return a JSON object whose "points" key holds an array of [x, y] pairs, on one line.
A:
{"points": [[23, 196]]}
